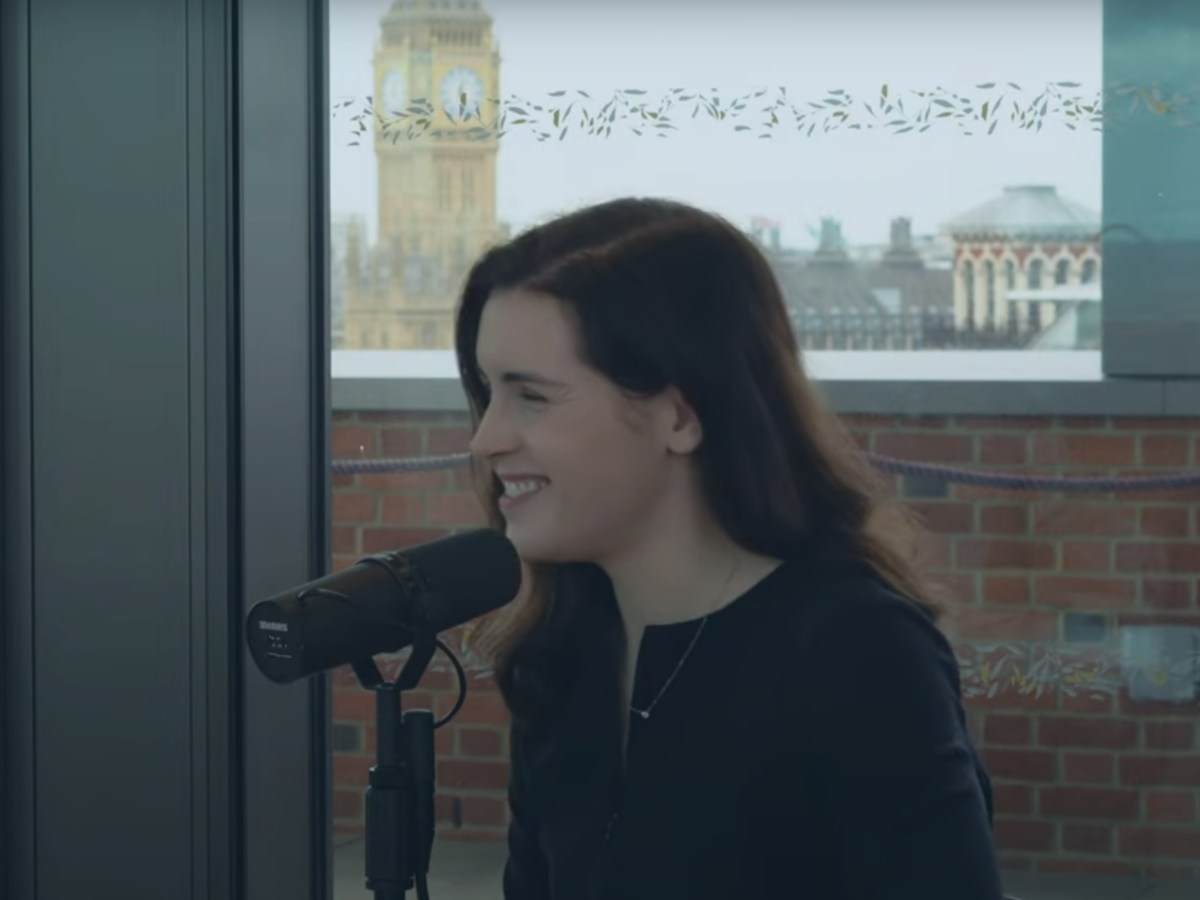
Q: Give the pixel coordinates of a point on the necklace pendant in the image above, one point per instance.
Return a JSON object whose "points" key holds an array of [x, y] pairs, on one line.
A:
{"points": [[645, 713]]}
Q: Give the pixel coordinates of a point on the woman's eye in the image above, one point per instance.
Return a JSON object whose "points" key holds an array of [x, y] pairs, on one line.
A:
{"points": [[532, 398]]}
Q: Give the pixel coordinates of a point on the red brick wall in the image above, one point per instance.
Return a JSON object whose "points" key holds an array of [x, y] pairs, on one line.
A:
{"points": [[1086, 779]]}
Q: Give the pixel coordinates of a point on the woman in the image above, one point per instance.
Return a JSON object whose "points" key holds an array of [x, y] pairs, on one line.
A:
{"points": [[725, 677]]}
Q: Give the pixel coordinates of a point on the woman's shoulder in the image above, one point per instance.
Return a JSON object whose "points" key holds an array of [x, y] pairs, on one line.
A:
{"points": [[851, 617], [832, 599]]}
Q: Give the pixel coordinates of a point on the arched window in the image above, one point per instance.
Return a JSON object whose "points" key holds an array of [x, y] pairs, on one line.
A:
{"points": [[968, 274], [1061, 271], [1035, 274], [989, 275], [1088, 273]]}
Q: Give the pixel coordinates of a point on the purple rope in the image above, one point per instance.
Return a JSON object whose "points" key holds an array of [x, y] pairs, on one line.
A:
{"points": [[1174, 482]]}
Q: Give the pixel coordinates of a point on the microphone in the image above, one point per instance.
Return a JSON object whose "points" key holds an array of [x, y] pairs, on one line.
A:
{"points": [[382, 603]]}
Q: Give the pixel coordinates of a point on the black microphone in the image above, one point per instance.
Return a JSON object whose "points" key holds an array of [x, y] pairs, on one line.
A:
{"points": [[382, 603]]}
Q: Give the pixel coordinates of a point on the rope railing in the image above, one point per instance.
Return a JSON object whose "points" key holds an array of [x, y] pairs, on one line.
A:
{"points": [[1176, 481], [1011, 668]]}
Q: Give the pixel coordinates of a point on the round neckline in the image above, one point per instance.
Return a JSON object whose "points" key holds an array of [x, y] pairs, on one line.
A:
{"points": [[739, 601]]}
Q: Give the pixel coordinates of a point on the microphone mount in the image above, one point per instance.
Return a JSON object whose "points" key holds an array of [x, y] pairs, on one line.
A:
{"points": [[400, 817]]}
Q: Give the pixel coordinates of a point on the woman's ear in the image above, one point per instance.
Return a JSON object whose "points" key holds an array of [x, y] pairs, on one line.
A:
{"points": [[686, 432]]}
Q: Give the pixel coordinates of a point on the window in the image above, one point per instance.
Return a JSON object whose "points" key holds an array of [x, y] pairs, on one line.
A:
{"points": [[1087, 274], [996, 251], [968, 277], [468, 190], [1035, 274], [989, 278], [1075, 610]]}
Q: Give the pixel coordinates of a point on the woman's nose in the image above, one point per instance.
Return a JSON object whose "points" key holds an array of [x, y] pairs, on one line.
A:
{"points": [[492, 438]]}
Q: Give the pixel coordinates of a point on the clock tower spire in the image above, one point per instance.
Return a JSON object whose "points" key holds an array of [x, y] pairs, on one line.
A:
{"points": [[437, 77]]}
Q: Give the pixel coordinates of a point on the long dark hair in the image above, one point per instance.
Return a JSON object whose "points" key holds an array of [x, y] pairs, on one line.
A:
{"points": [[667, 295]]}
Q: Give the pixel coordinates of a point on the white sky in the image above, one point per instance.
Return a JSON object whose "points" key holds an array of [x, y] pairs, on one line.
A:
{"points": [[809, 47]]}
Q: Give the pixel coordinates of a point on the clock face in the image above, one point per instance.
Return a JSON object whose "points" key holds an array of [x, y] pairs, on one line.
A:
{"points": [[395, 92], [462, 93]]}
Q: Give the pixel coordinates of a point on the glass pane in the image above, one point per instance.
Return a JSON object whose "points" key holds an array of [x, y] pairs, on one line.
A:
{"points": [[916, 186], [1076, 634]]}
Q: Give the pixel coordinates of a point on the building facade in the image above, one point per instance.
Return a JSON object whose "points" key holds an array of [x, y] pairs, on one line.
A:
{"points": [[437, 86], [1021, 261]]}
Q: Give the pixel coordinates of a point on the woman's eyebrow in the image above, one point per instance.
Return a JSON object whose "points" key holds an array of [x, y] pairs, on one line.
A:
{"points": [[532, 378]]}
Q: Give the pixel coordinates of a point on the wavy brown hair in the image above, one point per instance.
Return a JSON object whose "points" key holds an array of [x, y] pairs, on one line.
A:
{"points": [[664, 294]]}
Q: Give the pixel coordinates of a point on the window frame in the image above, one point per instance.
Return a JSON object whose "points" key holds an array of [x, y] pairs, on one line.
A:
{"points": [[190, 458]]}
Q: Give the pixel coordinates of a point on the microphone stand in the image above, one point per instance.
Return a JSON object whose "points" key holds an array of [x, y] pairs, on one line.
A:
{"points": [[400, 792]]}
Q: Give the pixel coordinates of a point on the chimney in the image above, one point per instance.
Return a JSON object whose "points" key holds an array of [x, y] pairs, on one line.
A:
{"points": [[831, 248], [900, 251]]}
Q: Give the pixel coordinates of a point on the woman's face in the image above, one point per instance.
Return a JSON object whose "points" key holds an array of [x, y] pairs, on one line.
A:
{"points": [[584, 466]]}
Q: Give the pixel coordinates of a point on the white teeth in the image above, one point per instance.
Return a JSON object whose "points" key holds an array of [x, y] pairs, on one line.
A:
{"points": [[517, 488]]}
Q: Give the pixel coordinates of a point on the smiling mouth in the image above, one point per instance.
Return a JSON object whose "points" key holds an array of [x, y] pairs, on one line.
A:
{"points": [[520, 490]]}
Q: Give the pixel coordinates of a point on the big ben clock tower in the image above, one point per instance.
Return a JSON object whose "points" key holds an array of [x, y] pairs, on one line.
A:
{"points": [[437, 70]]}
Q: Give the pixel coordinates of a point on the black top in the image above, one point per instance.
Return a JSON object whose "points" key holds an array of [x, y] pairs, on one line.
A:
{"points": [[812, 746]]}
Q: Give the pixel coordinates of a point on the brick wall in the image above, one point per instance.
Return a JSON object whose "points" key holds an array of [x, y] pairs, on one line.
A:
{"points": [[1087, 780]]}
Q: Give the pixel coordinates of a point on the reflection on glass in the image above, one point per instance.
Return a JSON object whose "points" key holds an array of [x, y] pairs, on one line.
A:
{"points": [[916, 185], [1153, 213]]}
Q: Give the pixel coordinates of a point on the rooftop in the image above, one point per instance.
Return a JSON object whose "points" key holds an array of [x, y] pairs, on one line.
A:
{"points": [[852, 286], [1030, 212]]}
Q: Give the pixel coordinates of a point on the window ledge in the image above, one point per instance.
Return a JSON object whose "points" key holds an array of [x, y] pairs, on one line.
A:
{"points": [[918, 383]]}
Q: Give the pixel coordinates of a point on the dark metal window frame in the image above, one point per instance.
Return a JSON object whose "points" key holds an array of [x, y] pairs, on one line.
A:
{"points": [[165, 390]]}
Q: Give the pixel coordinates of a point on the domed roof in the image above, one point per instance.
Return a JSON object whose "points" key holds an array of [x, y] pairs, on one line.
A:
{"points": [[1030, 211]]}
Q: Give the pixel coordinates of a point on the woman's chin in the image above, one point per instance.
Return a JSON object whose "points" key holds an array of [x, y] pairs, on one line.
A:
{"points": [[534, 545]]}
